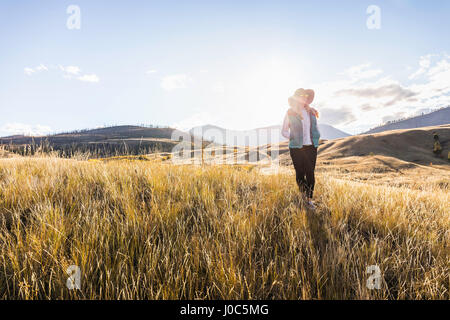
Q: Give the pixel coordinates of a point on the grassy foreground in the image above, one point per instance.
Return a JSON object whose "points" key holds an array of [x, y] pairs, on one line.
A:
{"points": [[142, 230]]}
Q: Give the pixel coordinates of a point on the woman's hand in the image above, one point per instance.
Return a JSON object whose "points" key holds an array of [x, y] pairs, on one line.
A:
{"points": [[314, 112]]}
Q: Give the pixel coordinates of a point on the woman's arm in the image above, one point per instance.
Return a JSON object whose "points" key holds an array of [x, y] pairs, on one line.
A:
{"points": [[285, 127]]}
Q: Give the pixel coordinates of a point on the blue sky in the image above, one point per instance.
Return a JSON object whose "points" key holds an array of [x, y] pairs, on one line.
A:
{"points": [[229, 63]]}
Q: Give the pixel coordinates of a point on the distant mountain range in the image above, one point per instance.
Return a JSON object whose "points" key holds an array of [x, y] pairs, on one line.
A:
{"points": [[138, 139], [435, 118], [258, 136]]}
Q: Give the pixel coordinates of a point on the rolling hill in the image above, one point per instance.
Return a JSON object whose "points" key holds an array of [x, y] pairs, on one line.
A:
{"points": [[412, 145], [435, 118]]}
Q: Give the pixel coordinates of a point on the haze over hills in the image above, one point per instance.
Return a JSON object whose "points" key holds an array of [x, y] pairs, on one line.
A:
{"points": [[258, 136], [435, 118]]}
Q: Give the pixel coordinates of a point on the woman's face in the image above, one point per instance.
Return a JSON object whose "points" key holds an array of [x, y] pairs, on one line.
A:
{"points": [[298, 102], [303, 99]]}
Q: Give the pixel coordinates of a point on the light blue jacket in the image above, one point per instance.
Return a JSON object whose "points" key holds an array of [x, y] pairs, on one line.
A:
{"points": [[293, 123]]}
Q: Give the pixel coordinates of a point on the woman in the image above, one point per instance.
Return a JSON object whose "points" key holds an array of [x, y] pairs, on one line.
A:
{"points": [[300, 127]]}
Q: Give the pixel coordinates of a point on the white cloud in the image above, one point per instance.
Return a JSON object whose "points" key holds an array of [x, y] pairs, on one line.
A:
{"points": [[343, 115], [176, 81], [89, 78], [29, 71], [365, 101], [17, 128], [424, 64], [41, 67], [390, 90], [74, 70], [151, 71], [68, 72]]}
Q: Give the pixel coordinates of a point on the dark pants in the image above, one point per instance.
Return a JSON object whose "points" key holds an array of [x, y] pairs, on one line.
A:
{"points": [[304, 161]]}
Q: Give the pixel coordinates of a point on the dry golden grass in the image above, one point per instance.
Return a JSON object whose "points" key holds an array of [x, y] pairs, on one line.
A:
{"points": [[388, 171], [151, 230]]}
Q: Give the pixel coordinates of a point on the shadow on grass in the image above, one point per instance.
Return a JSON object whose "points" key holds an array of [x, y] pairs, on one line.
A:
{"points": [[316, 225]]}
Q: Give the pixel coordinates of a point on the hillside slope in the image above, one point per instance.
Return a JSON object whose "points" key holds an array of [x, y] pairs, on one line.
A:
{"points": [[413, 145], [436, 118]]}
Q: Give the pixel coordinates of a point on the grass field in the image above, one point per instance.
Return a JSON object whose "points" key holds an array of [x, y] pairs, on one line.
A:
{"points": [[145, 230]]}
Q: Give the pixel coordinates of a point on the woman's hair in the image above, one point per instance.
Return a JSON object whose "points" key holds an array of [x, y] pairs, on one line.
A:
{"points": [[293, 103]]}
